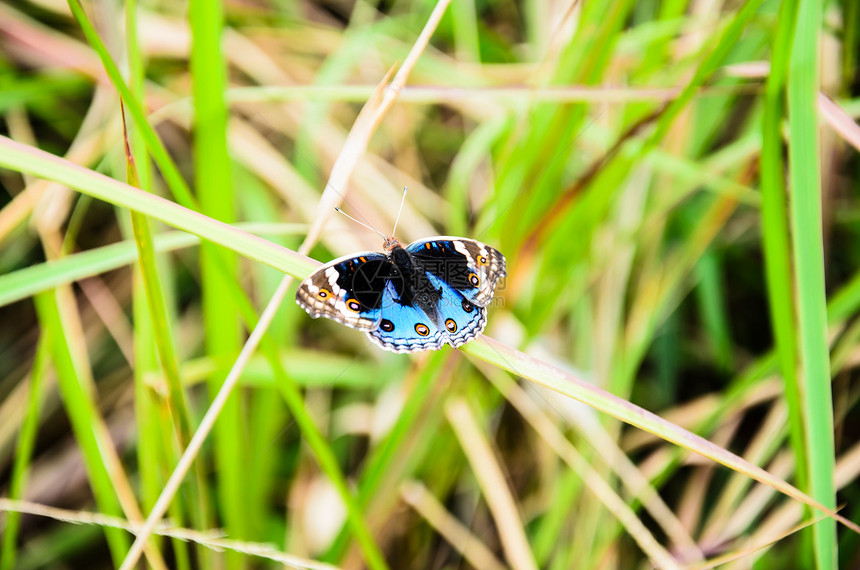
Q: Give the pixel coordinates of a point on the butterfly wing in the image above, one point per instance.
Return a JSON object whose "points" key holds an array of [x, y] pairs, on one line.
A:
{"points": [[404, 327], [348, 290], [460, 319], [469, 267]]}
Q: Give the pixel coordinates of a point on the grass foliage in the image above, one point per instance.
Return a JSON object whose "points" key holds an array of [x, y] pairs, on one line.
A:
{"points": [[667, 375]]}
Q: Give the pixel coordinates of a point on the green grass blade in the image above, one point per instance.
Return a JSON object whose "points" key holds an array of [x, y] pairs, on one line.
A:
{"points": [[212, 179], [710, 294], [164, 340], [775, 233], [266, 414], [805, 193], [24, 450], [159, 153], [28, 281], [23, 158], [555, 379], [162, 330], [154, 341], [83, 416]]}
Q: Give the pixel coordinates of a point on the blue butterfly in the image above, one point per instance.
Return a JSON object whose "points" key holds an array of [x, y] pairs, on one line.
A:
{"points": [[433, 291]]}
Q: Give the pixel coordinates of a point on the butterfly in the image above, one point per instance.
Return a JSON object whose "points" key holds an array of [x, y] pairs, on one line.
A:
{"points": [[419, 297]]}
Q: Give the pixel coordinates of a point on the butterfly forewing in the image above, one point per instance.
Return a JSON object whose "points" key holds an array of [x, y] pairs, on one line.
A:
{"points": [[348, 290], [468, 266]]}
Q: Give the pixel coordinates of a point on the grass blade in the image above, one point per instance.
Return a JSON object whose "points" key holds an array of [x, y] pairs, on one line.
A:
{"points": [[24, 449], [24, 158], [553, 378], [775, 235], [808, 242], [218, 268]]}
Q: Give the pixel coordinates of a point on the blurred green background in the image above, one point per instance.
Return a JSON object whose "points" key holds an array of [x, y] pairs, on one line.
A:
{"points": [[675, 188]]}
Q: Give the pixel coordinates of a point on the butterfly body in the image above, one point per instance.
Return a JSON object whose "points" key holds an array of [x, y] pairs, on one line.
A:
{"points": [[419, 297]]}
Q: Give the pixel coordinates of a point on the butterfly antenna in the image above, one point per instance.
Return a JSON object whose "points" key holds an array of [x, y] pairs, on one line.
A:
{"points": [[359, 223], [397, 219]]}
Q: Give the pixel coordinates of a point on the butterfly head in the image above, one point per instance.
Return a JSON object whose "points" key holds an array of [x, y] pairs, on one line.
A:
{"points": [[390, 243]]}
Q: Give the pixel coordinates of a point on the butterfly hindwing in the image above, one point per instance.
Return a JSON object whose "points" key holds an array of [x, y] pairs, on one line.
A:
{"points": [[348, 290], [460, 319], [407, 328], [468, 266], [404, 327]]}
